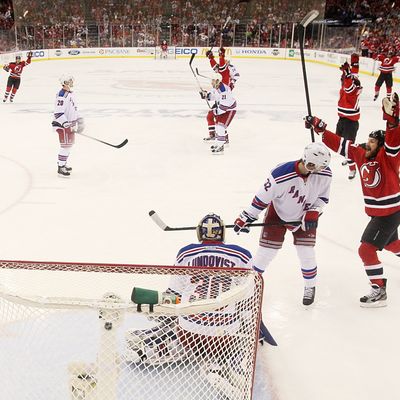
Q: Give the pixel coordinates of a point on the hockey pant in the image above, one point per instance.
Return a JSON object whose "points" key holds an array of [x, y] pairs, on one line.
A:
{"points": [[380, 233], [388, 79], [66, 137], [12, 86], [272, 238]]}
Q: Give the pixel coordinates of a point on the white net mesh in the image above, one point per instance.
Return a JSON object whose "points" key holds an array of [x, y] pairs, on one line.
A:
{"points": [[70, 331]]}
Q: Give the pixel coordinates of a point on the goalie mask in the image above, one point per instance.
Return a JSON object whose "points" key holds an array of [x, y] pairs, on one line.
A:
{"points": [[211, 227], [67, 80], [316, 157]]}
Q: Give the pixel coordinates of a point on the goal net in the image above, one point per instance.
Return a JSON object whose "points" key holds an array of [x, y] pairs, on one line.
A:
{"points": [[71, 331], [170, 54]]}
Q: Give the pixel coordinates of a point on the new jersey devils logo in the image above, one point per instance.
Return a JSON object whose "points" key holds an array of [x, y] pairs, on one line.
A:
{"points": [[371, 174]]}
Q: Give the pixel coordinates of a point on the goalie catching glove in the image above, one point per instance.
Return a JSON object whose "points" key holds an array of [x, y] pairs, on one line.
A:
{"points": [[316, 123], [242, 222], [390, 110]]}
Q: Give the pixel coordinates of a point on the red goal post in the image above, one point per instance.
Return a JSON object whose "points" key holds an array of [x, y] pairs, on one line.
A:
{"points": [[71, 331]]}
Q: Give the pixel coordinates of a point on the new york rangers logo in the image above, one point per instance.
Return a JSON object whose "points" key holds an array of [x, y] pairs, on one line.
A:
{"points": [[371, 174]]}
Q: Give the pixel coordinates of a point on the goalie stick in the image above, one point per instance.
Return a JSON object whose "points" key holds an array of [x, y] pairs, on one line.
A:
{"points": [[155, 217], [117, 146], [197, 80], [303, 25]]}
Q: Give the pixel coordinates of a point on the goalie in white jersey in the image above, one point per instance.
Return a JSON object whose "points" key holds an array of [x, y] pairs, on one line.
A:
{"points": [[295, 191], [66, 122], [213, 338]]}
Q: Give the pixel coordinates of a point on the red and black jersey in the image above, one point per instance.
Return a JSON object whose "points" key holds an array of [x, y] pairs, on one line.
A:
{"points": [[221, 68], [15, 69], [379, 175], [164, 47], [349, 98], [387, 63]]}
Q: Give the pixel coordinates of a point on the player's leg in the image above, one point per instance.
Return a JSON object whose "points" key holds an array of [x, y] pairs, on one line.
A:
{"points": [[271, 240], [221, 135], [66, 138], [379, 233], [211, 126], [157, 345], [389, 85], [304, 243], [378, 85], [8, 89], [16, 83]]}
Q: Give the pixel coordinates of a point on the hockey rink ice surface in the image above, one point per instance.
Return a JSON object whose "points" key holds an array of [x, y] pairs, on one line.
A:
{"points": [[332, 350]]}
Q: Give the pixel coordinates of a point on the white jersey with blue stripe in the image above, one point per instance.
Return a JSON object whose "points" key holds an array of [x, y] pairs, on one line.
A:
{"points": [[291, 193], [65, 108], [209, 255]]}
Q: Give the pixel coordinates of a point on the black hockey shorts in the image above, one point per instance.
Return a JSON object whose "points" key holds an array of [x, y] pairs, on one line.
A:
{"points": [[387, 78], [13, 82], [347, 129], [381, 231]]}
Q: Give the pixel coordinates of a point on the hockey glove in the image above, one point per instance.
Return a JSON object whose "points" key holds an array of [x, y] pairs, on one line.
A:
{"points": [[81, 125], [345, 68], [6, 68], [316, 123], [310, 220], [67, 125], [209, 54], [242, 222], [30, 54], [221, 52], [390, 110], [203, 94]]}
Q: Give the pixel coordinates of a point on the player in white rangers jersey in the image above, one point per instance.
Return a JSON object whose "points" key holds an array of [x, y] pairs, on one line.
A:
{"points": [[295, 191], [66, 122], [221, 114]]}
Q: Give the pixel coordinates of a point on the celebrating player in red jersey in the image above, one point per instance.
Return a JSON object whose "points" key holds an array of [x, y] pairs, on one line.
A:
{"points": [[386, 75], [378, 163], [14, 80], [349, 109]]}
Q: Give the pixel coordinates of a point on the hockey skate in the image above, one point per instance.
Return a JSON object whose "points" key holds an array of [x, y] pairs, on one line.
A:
{"points": [[63, 171], [352, 174], [376, 298], [309, 295], [210, 137], [344, 163]]}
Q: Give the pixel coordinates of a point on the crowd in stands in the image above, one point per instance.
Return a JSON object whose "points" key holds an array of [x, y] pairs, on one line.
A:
{"points": [[85, 23]]}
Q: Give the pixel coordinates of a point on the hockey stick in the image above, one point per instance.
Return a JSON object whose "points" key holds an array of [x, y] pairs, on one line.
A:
{"points": [[117, 146], [265, 335], [197, 80], [203, 76], [303, 24], [155, 217]]}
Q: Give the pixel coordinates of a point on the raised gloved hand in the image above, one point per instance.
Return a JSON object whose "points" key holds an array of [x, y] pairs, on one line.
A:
{"points": [[6, 68], [316, 123], [81, 125], [242, 222], [390, 110], [310, 220], [345, 68], [221, 52], [209, 54], [203, 94], [30, 54]]}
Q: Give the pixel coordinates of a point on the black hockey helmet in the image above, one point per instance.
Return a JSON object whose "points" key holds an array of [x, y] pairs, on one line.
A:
{"points": [[18, 58], [211, 227], [379, 135]]}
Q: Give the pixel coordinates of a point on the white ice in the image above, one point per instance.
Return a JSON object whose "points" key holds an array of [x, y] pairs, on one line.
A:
{"points": [[333, 350]]}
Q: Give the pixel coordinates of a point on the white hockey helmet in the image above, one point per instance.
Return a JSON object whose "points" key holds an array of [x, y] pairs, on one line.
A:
{"points": [[67, 80], [316, 157], [211, 227], [216, 80]]}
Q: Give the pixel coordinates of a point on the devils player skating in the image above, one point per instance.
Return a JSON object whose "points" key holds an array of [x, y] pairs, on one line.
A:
{"points": [[15, 69], [221, 114]]}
